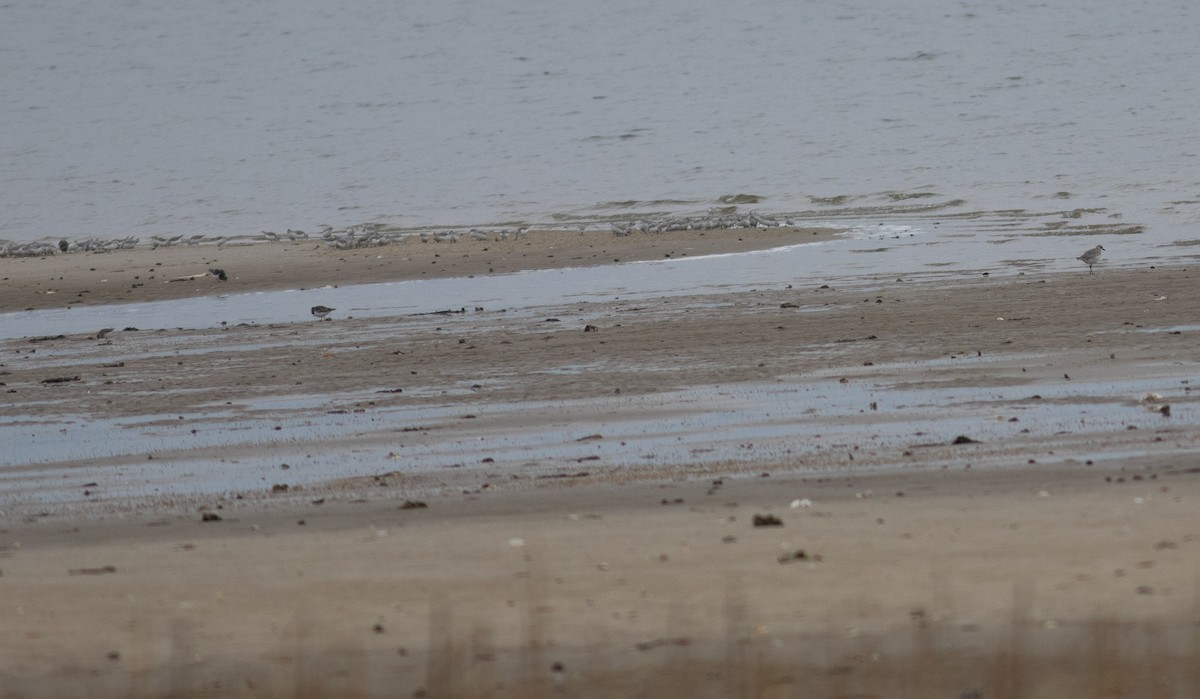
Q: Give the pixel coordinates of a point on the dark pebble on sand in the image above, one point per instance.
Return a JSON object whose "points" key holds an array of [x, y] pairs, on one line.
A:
{"points": [[60, 379], [767, 521], [798, 555]]}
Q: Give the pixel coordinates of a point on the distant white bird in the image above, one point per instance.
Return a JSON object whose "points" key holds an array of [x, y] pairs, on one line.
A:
{"points": [[1091, 257]]}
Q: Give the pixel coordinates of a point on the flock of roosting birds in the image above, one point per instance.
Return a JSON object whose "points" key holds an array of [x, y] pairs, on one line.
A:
{"points": [[377, 234], [42, 249], [372, 235]]}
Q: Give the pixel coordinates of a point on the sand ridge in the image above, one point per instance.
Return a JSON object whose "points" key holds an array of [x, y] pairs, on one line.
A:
{"points": [[145, 274]]}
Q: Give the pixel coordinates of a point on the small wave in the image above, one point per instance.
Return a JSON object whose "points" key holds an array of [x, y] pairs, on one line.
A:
{"points": [[877, 211], [839, 200], [639, 203], [739, 199], [1091, 229], [903, 196]]}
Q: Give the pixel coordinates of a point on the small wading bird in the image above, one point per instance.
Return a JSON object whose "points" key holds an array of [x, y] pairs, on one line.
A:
{"points": [[1091, 257], [322, 311], [218, 273]]}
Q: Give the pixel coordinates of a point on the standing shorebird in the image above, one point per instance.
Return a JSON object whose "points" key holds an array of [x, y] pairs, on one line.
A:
{"points": [[322, 311], [1091, 257]]}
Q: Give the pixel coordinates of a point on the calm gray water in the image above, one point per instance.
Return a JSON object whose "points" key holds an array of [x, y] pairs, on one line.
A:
{"points": [[226, 117]]}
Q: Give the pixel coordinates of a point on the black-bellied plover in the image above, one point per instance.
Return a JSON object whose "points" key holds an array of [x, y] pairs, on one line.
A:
{"points": [[322, 311], [218, 273], [1091, 257]]}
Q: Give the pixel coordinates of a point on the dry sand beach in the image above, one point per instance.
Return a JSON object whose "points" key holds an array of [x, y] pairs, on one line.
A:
{"points": [[984, 487]]}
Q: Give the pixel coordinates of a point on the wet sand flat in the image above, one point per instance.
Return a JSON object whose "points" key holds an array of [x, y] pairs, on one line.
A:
{"points": [[627, 587], [568, 540]]}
